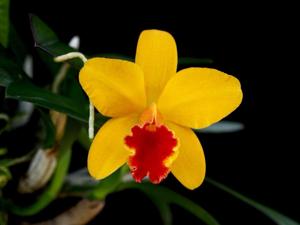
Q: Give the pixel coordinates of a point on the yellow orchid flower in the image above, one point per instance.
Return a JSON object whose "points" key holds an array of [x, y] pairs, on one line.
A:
{"points": [[153, 109]]}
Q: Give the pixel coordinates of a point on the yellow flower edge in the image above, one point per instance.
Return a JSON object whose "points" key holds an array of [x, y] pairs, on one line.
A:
{"points": [[153, 109]]}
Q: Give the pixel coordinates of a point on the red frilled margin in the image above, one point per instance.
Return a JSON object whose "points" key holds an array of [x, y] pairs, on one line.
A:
{"points": [[152, 145]]}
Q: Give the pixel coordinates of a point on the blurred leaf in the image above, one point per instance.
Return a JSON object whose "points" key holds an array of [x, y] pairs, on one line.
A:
{"points": [[70, 87], [52, 190], [3, 217], [106, 186], [49, 139], [170, 197], [47, 59], [223, 127], [277, 217], [4, 122], [4, 22], [31, 93], [17, 45], [14, 161], [47, 40], [3, 151], [164, 211], [41, 97], [10, 72], [5, 176], [162, 206], [84, 139]]}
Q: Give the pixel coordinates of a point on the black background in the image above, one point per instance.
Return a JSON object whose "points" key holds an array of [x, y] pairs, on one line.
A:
{"points": [[253, 43]]}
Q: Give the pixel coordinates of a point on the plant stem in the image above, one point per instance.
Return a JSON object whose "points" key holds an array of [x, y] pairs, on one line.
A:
{"points": [[51, 192]]}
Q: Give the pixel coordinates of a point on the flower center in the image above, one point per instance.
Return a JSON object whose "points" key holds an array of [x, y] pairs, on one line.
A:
{"points": [[153, 147]]}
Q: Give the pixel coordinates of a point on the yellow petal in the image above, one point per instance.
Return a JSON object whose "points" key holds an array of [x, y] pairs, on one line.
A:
{"points": [[115, 87], [189, 166], [107, 152], [199, 97], [156, 54]]}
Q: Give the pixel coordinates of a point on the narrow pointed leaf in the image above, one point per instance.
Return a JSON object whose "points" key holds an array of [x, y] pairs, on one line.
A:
{"points": [[10, 72], [163, 207], [41, 97], [277, 217], [47, 40], [170, 197]]}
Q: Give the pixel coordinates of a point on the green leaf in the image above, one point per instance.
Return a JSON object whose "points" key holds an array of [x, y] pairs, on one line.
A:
{"points": [[17, 45], [4, 22], [10, 72], [84, 139], [14, 161], [47, 59], [162, 206], [3, 151], [3, 217], [106, 186], [41, 97], [170, 197], [222, 127], [277, 217], [49, 139], [5, 176], [52, 190], [4, 122], [47, 40]]}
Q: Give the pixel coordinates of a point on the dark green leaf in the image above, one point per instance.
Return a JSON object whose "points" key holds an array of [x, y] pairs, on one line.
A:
{"points": [[4, 22], [70, 87], [28, 92], [17, 45], [170, 197], [52, 190], [41, 97], [47, 59], [5, 176], [277, 217], [4, 123], [162, 206], [15, 161], [3, 217], [3, 151], [49, 139], [10, 72], [47, 40], [106, 186], [84, 139]]}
